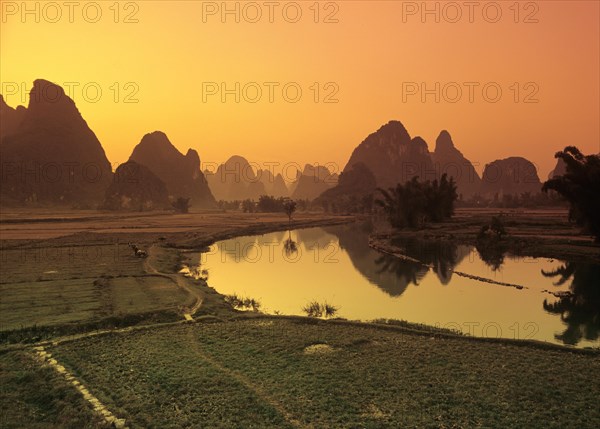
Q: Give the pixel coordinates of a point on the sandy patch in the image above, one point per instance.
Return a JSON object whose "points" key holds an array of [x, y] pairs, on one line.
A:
{"points": [[318, 349]]}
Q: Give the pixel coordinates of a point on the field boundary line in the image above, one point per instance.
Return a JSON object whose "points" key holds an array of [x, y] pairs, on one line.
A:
{"points": [[100, 409], [244, 381]]}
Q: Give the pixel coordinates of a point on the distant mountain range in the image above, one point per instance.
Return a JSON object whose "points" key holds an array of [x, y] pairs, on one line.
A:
{"points": [[236, 179], [313, 181], [51, 156], [392, 156]]}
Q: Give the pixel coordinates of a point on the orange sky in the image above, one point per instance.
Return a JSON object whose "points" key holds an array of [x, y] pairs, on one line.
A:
{"points": [[374, 51]]}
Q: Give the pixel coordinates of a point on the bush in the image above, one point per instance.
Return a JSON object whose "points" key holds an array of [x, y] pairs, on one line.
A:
{"points": [[493, 231], [181, 205]]}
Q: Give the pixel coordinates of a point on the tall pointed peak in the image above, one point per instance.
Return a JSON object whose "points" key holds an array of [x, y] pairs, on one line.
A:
{"points": [[47, 97], [444, 142]]}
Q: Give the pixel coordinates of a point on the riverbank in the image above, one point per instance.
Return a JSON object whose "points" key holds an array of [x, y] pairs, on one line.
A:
{"points": [[232, 369], [298, 372], [85, 277], [532, 233]]}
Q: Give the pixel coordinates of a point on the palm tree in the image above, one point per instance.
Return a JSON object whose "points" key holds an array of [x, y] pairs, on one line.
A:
{"points": [[580, 185], [414, 202]]}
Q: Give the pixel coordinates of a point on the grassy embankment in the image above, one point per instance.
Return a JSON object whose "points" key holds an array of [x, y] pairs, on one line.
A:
{"points": [[535, 233], [36, 397], [295, 372]]}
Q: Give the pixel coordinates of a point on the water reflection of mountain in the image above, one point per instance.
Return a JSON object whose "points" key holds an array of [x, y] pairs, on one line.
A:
{"points": [[391, 274], [441, 255], [581, 309], [272, 237], [311, 237]]}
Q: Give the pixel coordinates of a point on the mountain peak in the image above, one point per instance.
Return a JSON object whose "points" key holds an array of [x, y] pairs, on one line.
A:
{"points": [[237, 159], [52, 131], [444, 142], [419, 142], [180, 173], [49, 98], [156, 137], [394, 128]]}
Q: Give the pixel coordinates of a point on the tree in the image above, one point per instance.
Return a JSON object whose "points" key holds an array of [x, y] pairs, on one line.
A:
{"points": [[248, 206], [269, 204], [580, 185], [181, 205], [289, 206], [413, 203]]}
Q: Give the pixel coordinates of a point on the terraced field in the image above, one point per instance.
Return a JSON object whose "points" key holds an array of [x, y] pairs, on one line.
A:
{"points": [[45, 286]]}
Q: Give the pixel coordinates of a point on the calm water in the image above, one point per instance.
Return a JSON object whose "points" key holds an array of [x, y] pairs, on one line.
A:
{"points": [[286, 270]]}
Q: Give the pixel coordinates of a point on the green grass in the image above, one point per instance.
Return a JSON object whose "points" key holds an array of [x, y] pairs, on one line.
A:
{"points": [[257, 373], [36, 397]]}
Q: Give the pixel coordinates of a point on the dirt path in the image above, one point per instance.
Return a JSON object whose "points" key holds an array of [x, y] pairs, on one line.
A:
{"points": [[180, 280], [98, 406], [245, 381]]}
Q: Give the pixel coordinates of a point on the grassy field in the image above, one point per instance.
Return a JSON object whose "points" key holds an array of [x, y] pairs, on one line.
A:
{"points": [[71, 272], [55, 285], [36, 397], [276, 372], [90, 274]]}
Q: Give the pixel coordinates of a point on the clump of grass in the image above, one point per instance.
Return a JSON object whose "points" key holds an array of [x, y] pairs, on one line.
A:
{"points": [[313, 309], [316, 309], [243, 303]]}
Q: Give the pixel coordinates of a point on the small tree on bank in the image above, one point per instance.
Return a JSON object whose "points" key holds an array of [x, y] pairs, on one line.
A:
{"points": [[289, 207], [181, 205]]}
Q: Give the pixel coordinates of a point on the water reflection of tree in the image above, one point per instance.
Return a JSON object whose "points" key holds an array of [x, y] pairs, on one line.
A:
{"points": [[442, 255], [581, 309], [393, 275], [290, 247], [406, 272], [492, 254]]}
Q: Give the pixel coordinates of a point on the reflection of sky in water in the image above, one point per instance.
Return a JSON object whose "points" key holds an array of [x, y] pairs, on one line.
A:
{"points": [[335, 264]]}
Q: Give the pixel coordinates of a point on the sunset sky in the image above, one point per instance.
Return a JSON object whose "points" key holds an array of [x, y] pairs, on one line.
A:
{"points": [[373, 54]]}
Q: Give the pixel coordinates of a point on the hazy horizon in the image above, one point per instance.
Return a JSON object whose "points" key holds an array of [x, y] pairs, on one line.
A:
{"points": [[369, 61]]}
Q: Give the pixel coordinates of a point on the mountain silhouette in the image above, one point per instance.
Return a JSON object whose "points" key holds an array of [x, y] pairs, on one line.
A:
{"points": [[355, 188], [235, 179], [313, 181], [392, 156], [180, 173], [448, 159], [135, 187], [513, 175], [559, 169], [274, 185], [11, 118], [49, 153]]}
